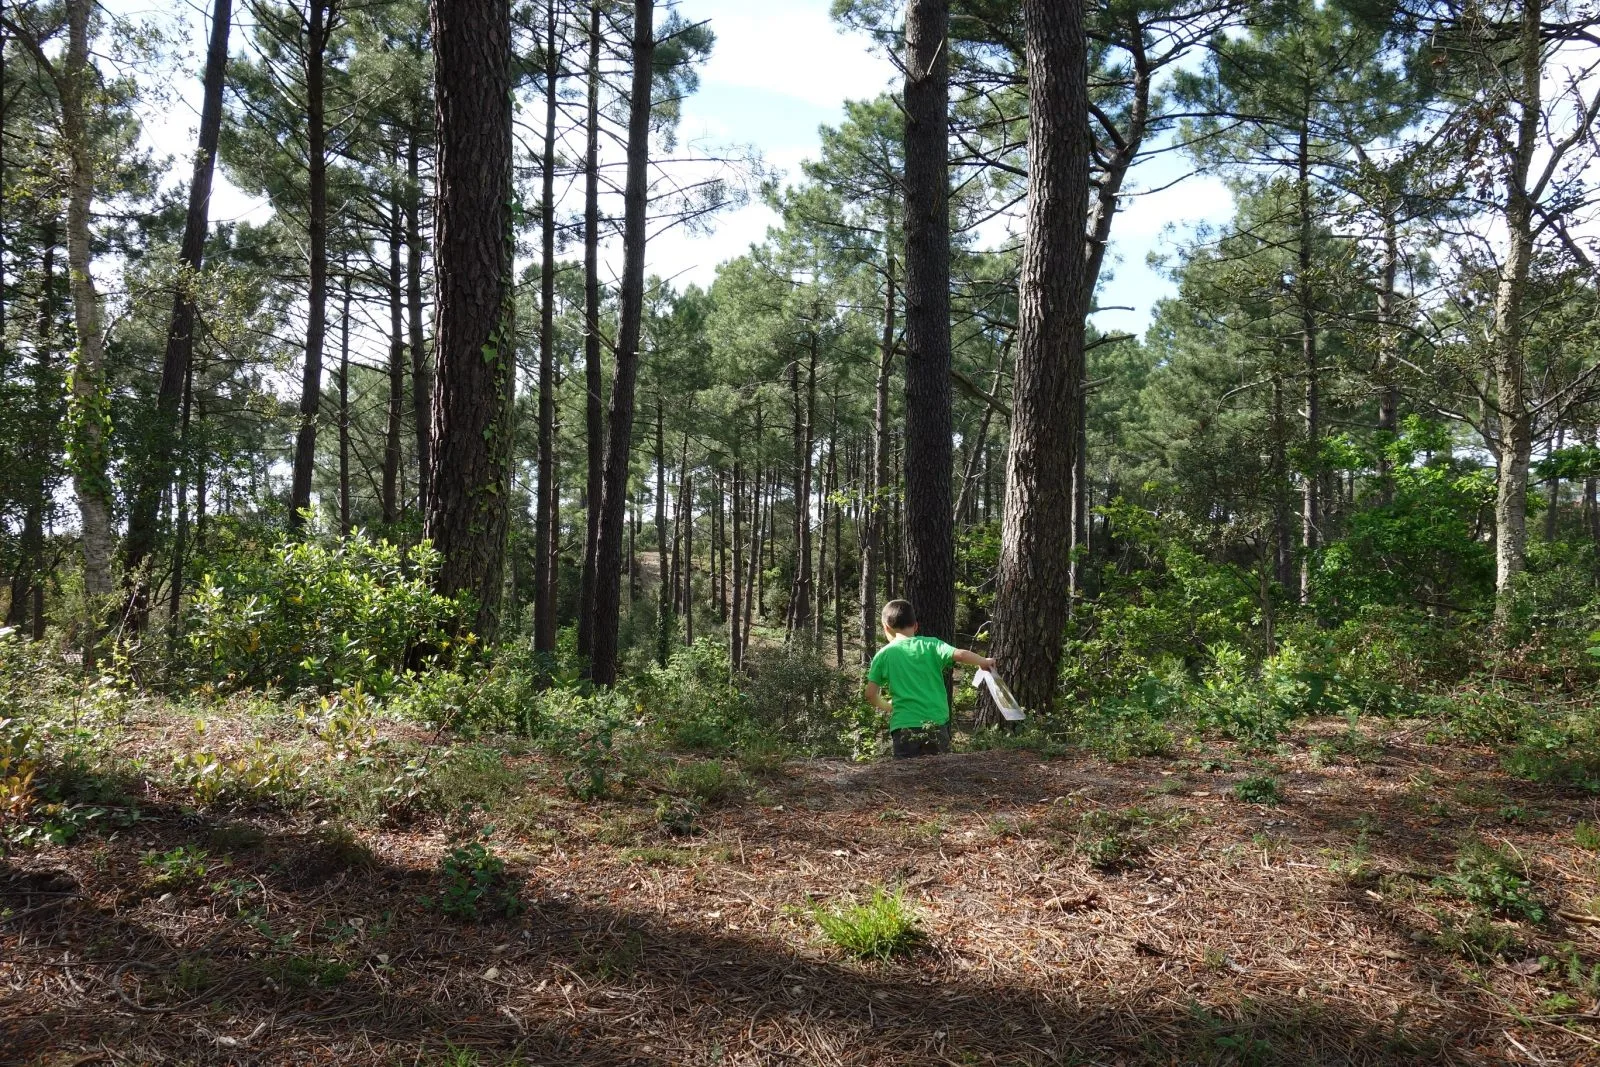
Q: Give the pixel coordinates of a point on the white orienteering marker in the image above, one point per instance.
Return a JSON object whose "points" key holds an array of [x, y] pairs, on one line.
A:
{"points": [[1004, 699]]}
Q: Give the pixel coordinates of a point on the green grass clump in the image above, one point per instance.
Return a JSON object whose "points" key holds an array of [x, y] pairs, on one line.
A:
{"points": [[1586, 836], [707, 783], [1492, 879], [1259, 789], [880, 929], [180, 868], [1111, 840]]}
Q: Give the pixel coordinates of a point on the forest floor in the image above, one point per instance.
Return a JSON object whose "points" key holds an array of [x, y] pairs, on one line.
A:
{"points": [[1321, 928]]}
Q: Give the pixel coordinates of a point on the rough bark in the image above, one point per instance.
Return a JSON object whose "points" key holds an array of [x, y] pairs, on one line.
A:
{"points": [[305, 447], [345, 522], [1388, 348], [1311, 499], [619, 441], [160, 464], [545, 514], [594, 415], [421, 381], [473, 263], [1032, 583], [88, 410], [1508, 366], [930, 540], [397, 364]]}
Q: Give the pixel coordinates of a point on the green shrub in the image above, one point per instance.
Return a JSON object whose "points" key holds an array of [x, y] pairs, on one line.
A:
{"points": [[180, 868], [792, 692], [1492, 878], [880, 929], [320, 614], [473, 883], [1259, 789]]}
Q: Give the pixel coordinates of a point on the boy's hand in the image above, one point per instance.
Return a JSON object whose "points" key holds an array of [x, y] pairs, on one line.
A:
{"points": [[987, 663]]}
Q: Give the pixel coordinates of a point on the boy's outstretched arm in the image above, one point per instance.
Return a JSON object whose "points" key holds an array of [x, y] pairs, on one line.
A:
{"points": [[972, 659], [875, 698]]}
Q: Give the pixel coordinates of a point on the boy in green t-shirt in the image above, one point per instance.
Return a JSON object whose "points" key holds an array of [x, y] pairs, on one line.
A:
{"points": [[912, 669]]}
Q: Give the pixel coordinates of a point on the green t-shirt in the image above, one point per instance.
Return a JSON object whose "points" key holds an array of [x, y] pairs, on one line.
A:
{"points": [[912, 670]]}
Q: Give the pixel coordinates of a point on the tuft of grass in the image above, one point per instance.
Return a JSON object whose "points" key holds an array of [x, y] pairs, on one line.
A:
{"points": [[1586, 836], [880, 929], [1493, 879], [1111, 840], [1259, 789], [708, 782], [1479, 939]]}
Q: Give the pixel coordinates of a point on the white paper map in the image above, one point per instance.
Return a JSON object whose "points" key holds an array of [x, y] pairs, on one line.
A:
{"points": [[1001, 694]]}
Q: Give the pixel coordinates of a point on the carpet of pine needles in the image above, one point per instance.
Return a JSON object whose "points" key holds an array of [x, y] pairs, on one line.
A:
{"points": [[1306, 932]]}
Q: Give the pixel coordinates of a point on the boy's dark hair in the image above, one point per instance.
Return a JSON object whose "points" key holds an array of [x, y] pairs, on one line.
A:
{"points": [[899, 615]]}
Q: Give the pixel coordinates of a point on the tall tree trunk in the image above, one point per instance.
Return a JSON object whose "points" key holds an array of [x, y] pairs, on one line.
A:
{"points": [[686, 506], [545, 515], [930, 544], [736, 612], [1283, 536], [27, 590], [397, 364], [667, 584], [421, 383], [345, 523], [878, 470], [89, 400], [1031, 587], [838, 521], [1508, 364], [619, 443], [305, 448], [1388, 349], [1311, 503], [473, 263], [180, 539], [594, 416], [156, 472]]}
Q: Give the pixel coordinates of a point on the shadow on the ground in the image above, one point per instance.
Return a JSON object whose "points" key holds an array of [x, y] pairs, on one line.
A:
{"points": [[144, 980]]}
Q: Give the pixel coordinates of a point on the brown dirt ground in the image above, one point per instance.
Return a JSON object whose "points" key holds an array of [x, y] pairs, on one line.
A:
{"points": [[1237, 938]]}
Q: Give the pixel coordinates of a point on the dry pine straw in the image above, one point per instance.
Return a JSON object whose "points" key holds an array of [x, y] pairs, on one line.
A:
{"points": [[1234, 939]]}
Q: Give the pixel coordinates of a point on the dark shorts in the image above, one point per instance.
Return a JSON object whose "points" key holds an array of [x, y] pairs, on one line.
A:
{"points": [[920, 741]]}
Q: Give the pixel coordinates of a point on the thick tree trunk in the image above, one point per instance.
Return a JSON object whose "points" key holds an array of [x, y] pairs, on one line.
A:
{"points": [[619, 442], [421, 383], [930, 544], [878, 475], [180, 539], [305, 448], [473, 262], [545, 515], [156, 473], [89, 401], [1032, 583], [1508, 363], [594, 416]]}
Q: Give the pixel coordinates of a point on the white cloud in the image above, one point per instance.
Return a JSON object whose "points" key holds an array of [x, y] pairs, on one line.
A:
{"points": [[795, 51]]}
